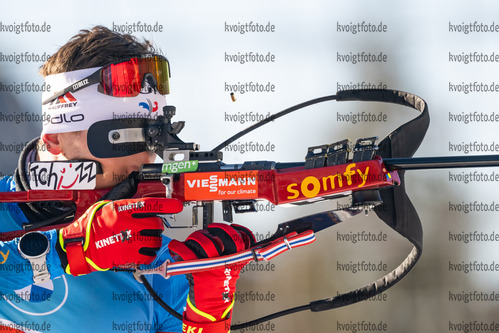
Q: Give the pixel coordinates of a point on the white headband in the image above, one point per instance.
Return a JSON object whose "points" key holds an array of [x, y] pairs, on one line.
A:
{"points": [[77, 111]]}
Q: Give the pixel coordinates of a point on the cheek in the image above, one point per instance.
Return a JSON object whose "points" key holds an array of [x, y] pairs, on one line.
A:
{"points": [[73, 150], [74, 146]]}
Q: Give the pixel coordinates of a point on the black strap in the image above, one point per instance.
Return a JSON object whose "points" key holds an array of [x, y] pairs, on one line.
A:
{"points": [[400, 215], [398, 211]]}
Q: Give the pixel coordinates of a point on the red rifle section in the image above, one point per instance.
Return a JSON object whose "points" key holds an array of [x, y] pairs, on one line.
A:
{"points": [[278, 186]]}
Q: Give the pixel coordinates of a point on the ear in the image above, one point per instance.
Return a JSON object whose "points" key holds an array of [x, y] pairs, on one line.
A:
{"points": [[53, 143]]}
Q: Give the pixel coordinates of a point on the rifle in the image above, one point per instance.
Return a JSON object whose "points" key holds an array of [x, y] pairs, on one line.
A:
{"points": [[371, 174]]}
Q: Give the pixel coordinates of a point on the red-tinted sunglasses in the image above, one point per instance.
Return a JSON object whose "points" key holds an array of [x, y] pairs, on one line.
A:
{"points": [[125, 78]]}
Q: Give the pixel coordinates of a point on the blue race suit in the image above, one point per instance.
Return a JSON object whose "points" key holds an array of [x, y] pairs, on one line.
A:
{"points": [[97, 302]]}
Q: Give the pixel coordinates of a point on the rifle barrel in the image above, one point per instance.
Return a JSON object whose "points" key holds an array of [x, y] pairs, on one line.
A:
{"points": [[442, 162], [392, 164]]}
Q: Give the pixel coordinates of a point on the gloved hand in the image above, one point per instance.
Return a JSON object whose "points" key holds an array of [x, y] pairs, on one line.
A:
{"points": [[211, 293], [114, 233]]}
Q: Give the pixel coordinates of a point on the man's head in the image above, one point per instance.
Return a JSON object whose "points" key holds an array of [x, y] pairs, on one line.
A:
{"points": [[65, 133]]}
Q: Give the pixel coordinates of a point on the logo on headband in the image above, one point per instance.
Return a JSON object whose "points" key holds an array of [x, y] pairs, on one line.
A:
{"points": [[65, 101], [149, 106]]}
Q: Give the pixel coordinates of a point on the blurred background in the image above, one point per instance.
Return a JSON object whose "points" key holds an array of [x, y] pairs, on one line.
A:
{"points": [[423, 47]]}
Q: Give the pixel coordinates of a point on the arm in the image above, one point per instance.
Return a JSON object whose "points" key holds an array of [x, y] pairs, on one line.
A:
{"points": [[211, 293], [109, 234], [173, 291], [113, 234]]}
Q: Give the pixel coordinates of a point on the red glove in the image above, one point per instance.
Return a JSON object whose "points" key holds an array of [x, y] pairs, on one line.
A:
{"points": [[114, 233], [211, 293]]}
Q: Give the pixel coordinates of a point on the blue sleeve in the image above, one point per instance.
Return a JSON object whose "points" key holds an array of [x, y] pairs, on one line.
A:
{"points": [[15, 271], [173, 291]]}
